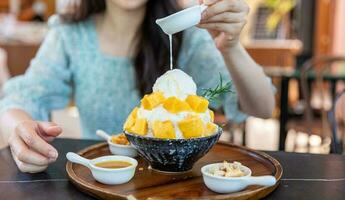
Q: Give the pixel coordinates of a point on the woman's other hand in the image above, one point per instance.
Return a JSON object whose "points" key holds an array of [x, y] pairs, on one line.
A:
{"points": [[29, 145], [224, 19]]}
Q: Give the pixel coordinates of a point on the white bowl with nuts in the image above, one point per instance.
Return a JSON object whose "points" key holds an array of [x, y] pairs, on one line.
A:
{"points": [[232, 177]]}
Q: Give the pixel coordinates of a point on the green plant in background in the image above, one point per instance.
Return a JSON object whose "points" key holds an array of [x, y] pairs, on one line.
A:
{"points": [[279, 9]]}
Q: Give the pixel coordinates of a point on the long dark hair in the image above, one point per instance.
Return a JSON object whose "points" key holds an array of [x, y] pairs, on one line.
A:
{"points": [[152, 51]]}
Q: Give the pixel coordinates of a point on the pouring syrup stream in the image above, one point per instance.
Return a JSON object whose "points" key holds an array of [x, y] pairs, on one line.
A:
{"points": [[171, 56]]}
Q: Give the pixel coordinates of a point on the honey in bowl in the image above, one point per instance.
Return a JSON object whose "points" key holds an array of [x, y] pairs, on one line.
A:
{"points": [[113, 164]]}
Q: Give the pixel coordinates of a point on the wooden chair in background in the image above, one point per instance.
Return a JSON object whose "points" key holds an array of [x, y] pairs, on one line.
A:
{"points": [[319, 70]]}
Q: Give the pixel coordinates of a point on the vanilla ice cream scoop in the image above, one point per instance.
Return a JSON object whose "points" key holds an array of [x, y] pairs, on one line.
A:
{"points": [[175, 83]]}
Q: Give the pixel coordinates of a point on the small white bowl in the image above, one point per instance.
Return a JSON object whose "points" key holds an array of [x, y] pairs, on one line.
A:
{"points": [[118, 149], [181, 20], [106, 175], [233, 184]]}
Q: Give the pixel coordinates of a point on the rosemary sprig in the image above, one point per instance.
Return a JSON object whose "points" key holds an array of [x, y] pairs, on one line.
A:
{"points": [[213, 94]]}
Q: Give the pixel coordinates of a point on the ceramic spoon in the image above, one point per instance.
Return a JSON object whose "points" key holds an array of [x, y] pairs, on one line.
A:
{"points": [[75, 158], [181, 20], [259, 180], [103, 135]]}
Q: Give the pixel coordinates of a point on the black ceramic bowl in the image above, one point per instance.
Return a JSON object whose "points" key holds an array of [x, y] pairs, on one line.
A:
{"points": [[172, 155]]}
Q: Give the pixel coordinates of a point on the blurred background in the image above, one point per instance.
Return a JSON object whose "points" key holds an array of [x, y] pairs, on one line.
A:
{"points": [[299, 43]]}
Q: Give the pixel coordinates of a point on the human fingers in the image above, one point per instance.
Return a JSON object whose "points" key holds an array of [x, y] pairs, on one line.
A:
{"points": [[229, 28], [29, 168], [27, 131], [49, 130], [24, 154], [226, 17], [219, 7]]}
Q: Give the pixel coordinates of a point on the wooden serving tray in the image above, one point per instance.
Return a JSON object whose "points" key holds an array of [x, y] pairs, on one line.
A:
{"points": [[148, 183]]}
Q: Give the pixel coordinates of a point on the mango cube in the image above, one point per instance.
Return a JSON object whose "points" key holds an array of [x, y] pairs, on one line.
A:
{"points": [[152, 100], [192, 127], [130, 119], [211, 129], [211, 115], [197, 103], [163, 129], [175, 105], [140, 127]]}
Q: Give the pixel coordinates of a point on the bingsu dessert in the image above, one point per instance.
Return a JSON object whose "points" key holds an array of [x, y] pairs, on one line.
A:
{"points": [[172, 111]]}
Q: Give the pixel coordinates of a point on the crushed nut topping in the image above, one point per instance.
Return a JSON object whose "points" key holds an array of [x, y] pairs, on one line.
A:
{"points": [[227, 170]]}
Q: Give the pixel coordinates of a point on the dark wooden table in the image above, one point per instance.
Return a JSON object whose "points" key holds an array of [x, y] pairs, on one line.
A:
{"points": [[305, 176]]}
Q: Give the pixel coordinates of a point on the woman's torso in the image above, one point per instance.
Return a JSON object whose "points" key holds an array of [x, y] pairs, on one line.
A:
{"points": [[104, 86]]}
